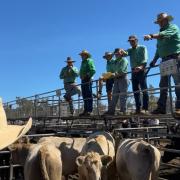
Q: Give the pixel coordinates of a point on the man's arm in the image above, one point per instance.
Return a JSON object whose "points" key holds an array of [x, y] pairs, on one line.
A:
{"points": [[62, 76], [156, 57]]}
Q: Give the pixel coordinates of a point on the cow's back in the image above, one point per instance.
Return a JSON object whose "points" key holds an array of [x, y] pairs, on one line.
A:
{"points": [[70, 149], [100, 142], [133, 155]]}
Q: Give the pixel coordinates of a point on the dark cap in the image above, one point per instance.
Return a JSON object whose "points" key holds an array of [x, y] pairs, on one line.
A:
{"points": [[132, 38], [117, 50], [69, 59]]}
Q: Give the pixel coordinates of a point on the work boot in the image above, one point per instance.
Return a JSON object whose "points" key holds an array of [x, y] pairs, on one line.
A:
{"points": [[159, 111], [83, 113], [107, 113], [177, 112], [143, 111], [138, 111]]}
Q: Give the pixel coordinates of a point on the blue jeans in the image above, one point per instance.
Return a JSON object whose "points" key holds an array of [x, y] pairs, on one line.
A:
{"points": [[71, 90], [120, 86], [164, 84], [139, 82], [86, 88]]}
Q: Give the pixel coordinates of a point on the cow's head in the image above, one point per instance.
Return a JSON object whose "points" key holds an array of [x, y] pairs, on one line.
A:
{"points": [[91, 165], [19, 151]]}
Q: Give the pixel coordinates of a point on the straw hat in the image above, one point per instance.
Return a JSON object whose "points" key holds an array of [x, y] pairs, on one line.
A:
{"points": [[163, 16], [107, 54], [85, 52], [69, 59], [10, 133], [107, 75]]}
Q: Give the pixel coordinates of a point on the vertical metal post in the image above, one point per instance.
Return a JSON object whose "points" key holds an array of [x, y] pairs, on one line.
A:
{"points": [[10, 170], [170, 94], [147, 131], [97, 99]]}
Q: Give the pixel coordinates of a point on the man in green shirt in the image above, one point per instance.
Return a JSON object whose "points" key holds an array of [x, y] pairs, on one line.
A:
{"points": [[69, 74], [168, 47], [87, 70], [138, 60], [120, 83], [109, 82]]}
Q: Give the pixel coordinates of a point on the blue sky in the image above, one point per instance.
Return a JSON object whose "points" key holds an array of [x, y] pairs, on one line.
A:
{"points": [[36, 37]]}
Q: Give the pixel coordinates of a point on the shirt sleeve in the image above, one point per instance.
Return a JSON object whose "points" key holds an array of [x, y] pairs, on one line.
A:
{"points": [[124, 66], [144, 55], [75, 71], [92, 69], [62, 76], [170, 31]]}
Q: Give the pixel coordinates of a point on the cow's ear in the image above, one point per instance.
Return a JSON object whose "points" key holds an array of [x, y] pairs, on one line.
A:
{"points": [[80, 160], [106, 160], [12, 147]]}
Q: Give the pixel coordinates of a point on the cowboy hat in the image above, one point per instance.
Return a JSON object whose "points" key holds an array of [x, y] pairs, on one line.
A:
{"points": [[132, 38], [10, 133], [107, 54], [85, 52], [69, 59], [107, 75], [163, 16]]}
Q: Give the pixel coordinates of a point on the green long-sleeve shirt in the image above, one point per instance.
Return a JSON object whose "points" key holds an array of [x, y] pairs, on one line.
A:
{"points": [[87, 68], [110, 65], [169, 41], [69, 74], [120, 65], [138, 56]]}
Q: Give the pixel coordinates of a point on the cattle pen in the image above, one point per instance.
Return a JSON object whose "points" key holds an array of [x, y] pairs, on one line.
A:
{"points": [[51, 117]]}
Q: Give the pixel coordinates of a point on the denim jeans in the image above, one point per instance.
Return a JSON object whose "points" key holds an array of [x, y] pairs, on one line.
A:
{"points": [[120, 86], [71, 89], [139, 82], [164, 84], [86, 88]]}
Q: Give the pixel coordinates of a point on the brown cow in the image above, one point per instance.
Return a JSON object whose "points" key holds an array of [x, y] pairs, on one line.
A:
{"points": [[41, 162], [137, 160]]}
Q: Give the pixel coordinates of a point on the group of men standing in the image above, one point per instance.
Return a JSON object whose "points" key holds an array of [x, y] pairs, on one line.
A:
{"points": [[168, 47]]}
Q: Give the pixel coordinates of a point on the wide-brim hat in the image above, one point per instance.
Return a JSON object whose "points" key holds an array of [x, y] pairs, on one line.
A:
{"points": [[132, 38], [69, 59], [163, 16], [107, 54], [85, 52], [11, 133]]}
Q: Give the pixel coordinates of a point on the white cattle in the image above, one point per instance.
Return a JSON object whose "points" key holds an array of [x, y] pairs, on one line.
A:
{"points": [[70, 149], [40, 161], [137, 160], [96, 157]]}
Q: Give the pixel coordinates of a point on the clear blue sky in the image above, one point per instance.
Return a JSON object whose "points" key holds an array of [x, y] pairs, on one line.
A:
{"points": [[36, 36]]}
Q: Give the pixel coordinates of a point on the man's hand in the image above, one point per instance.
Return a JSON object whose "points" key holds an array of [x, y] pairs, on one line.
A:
{"points": [[152, 63], [147, 37], [137, 69], [123, 52]]}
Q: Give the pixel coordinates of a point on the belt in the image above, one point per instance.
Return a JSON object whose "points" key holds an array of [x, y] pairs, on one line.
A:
{"points": [[69, 82], [172, 56]]}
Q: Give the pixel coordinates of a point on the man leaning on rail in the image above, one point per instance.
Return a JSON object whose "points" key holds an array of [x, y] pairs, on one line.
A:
{"points": [[108, 56], [69, 74], [120, 83], [87, 70], [138, 60], [168, 47]]}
